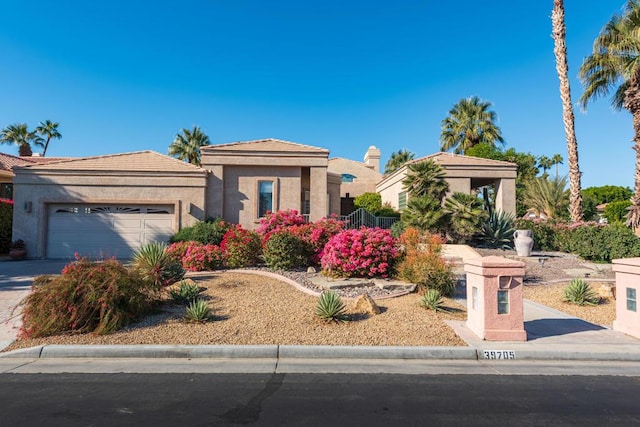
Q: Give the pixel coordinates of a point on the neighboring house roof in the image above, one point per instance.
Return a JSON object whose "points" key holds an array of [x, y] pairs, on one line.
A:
{"points": [[451, 161], [7, 161], [265, 145], [139, 161]]}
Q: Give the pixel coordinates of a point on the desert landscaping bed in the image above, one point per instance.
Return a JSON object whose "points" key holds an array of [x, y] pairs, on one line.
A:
{"points": [[251, 309]]}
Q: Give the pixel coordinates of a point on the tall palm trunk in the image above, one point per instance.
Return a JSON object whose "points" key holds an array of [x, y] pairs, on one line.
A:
{"points": [[560, 51], [632, 104]]}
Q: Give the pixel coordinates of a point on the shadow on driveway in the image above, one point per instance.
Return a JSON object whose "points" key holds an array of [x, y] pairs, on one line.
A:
{"points": [[543, 328]]}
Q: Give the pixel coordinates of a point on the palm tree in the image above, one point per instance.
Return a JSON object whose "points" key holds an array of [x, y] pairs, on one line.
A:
{"points": [[547, 196], [615, 64], [397, 159], [545, 164], [470, 123], [48, 130], [186, 146], [19, 134], [557, 160], [426, 178], [560, 50], [466, 213], [424, 213]]}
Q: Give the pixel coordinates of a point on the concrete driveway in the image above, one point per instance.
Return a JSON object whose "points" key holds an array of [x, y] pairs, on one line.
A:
{"points": [[16, 278]]}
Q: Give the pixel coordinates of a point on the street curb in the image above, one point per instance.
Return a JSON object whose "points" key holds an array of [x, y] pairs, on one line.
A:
{"points": [[375, 352], [281, 352]]}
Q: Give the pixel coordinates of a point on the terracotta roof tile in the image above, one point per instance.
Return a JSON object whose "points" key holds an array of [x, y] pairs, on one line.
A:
{"points": [[269, 144], [140, 161]]}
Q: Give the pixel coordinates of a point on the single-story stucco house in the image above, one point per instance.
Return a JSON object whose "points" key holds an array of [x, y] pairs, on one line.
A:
{"points": [[111, 205], [463, 173]]}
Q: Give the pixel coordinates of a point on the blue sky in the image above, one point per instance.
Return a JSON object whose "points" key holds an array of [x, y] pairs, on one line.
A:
{"points": [[128, 75]]}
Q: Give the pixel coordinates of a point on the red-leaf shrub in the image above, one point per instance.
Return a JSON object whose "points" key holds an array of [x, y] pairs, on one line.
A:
{"points": [[366, 252], [88, 296], [316, 235], [241, 248]]}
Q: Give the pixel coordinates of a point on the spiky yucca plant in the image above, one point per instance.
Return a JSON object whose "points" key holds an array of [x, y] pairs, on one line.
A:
{"points": [[497, 230], [580, 293], [198, 311], [156, 266], [432, 300], [330, 307]]}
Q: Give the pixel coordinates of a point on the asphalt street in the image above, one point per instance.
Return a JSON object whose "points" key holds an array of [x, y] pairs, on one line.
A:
{"points": [[316, 399]]}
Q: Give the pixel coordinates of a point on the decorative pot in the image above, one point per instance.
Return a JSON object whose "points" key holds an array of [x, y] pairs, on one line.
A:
{"points": [[17, 254], [523, 241]]}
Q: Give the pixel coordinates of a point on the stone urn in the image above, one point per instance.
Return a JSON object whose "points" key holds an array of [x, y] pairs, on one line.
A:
{"points": [[523, 241]]}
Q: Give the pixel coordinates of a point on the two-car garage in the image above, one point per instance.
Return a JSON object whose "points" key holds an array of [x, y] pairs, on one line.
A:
{"points": [[102, 230], [105, 206]]}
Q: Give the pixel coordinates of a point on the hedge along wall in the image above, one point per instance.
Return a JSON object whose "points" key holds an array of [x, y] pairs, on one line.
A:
{"points": [[6, 223]]}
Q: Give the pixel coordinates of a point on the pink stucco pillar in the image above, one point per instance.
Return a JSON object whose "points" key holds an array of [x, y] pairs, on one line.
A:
{"points": [[627, 291], [494, 298]]}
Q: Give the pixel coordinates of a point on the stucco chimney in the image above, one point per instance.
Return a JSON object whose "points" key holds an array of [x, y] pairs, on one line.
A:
{"points": [[372, 158]]}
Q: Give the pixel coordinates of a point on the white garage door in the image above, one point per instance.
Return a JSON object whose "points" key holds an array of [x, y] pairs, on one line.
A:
{"points": [[105, 230]]}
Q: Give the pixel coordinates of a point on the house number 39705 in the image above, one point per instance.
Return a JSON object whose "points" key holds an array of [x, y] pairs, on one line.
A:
{"points": [[499, 354]]}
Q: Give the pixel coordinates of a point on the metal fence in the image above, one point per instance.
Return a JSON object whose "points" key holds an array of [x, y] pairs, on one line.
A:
{"points": [[361, 217]]}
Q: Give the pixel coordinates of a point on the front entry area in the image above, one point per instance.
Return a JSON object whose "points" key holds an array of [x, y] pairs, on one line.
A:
{"points": [[105, 230]]}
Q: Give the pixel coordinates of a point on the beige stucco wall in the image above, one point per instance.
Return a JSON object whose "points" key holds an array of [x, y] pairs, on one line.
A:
{"points": [[41, 189], [240, 191], [391, 187], [366, 177], [333, 184], [627, 276]]}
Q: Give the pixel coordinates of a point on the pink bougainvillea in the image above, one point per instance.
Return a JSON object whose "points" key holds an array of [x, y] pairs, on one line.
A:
{"points": [[366, 252], [196, 256], [241, 248], [276, 221], [317, 234]]}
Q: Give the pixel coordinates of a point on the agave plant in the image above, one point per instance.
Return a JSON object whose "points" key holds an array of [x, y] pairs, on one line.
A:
{"points": [[198, 311], [580, 293], [185, 292], [330, 307], [497, 230], [156, 266], [432, 300]]}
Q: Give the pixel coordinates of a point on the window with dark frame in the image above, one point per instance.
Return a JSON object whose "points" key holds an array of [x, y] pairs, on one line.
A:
{"points": [[265, 197]]}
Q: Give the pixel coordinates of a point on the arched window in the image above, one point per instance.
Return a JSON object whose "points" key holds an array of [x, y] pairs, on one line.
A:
{"points": [[347, 177]]}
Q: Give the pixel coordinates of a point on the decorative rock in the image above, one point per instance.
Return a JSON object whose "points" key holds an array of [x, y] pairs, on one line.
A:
{"points": [[365, 304], [607, 290], [311, 270]]}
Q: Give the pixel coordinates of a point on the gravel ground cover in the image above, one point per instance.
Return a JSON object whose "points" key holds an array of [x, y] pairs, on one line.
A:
{"points": [[251, 309]]}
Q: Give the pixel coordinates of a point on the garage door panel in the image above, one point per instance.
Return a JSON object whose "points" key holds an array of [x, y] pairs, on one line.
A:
{"points": [[105, 230]]}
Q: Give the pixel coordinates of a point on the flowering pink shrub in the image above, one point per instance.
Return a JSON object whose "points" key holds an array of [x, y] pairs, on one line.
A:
{"points": [[366, 252], [276, 221], [241, 248], [196, 256], [317, 234]]}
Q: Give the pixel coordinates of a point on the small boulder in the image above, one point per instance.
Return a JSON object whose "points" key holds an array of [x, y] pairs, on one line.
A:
{"points": [[311, 270], [365, 304]]}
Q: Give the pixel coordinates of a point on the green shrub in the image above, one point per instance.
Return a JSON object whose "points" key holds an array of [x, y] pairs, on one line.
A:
{"points": [[156, 265], [198, 311], [545, 233], [186, 291], [600, 243], [6, 223], [241, 248], [285, 251], [580, 293], [432, 300], [397, 229], [207, 233], [371, 202], [88, 296], [330, 307], [497, 231], [617, 211]]}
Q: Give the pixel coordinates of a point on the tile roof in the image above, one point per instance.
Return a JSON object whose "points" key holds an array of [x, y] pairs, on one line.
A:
{"points": [[139, 161], [444, 158], [7, 161], [269, 144]]}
